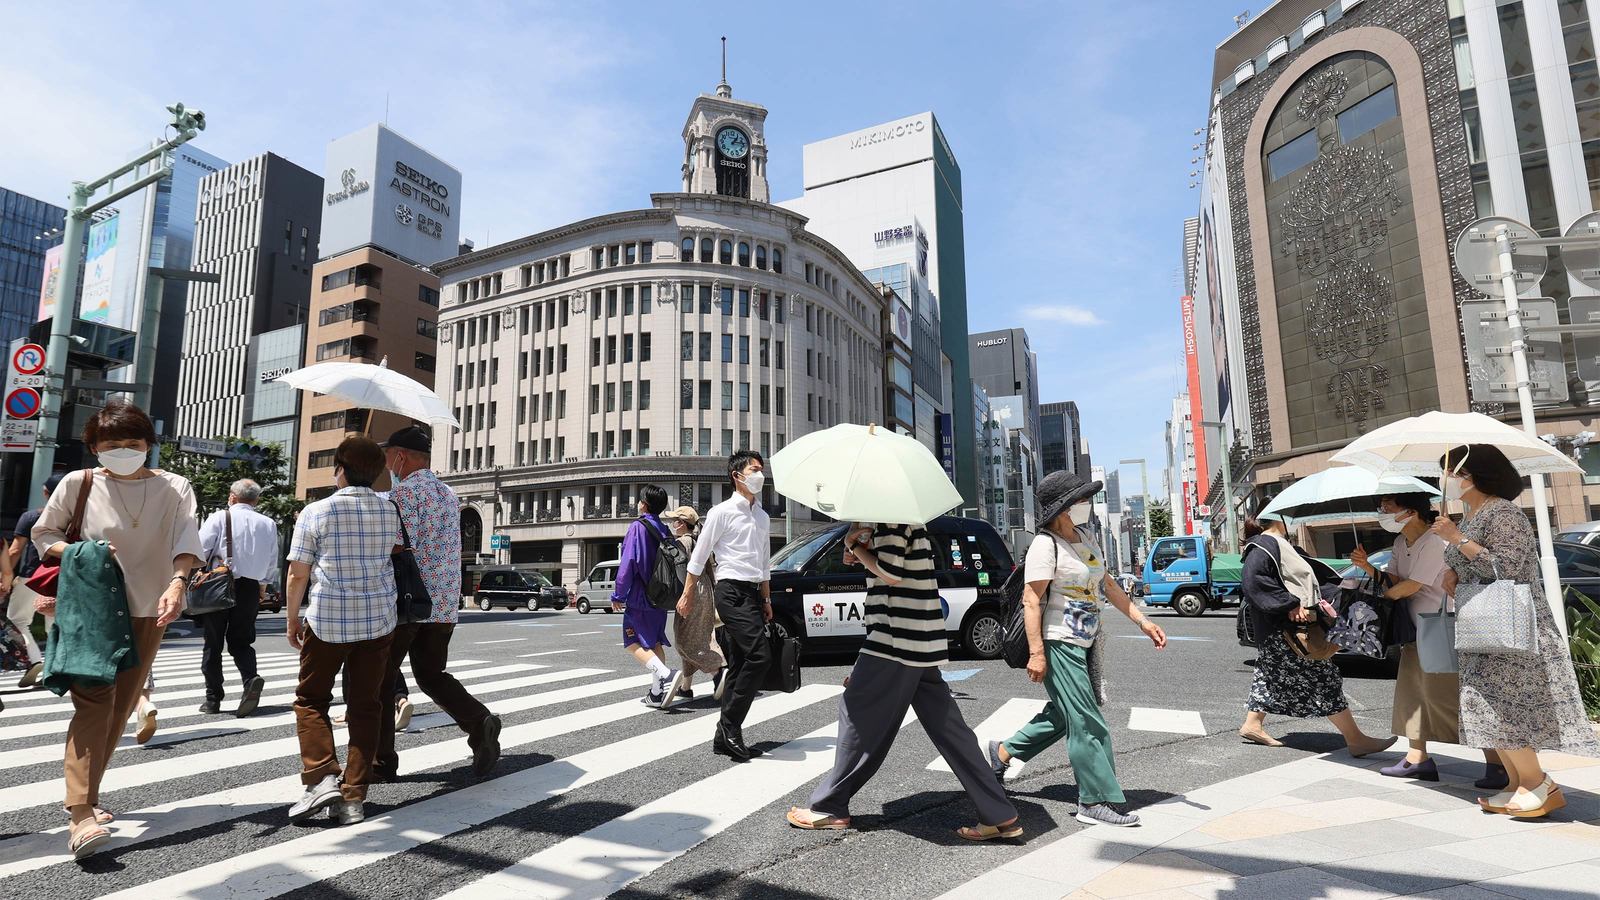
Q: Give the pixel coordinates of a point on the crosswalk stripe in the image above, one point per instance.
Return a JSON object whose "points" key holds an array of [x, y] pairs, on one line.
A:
{"points": [[548, 652], [1001, 724], [579, 633], [609, 857], [1170, 721], [502, 641], [162, 682], [511, 705], [28, 756], [326, 853]]}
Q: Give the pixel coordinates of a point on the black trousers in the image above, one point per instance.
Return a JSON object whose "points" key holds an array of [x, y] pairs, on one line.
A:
{"points": [[744, 629], [428, 645], [235, 627]]}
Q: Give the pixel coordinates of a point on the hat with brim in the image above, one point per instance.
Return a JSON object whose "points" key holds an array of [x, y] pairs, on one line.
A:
{"points": [[1058, 491], [684, 514]]}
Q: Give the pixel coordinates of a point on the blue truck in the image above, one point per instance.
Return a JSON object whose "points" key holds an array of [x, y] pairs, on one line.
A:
{"points": [[1183, 573]]}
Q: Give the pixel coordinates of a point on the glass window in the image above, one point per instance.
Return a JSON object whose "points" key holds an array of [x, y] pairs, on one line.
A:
{"points": [[744, 254], [705, 346], [727, 348], [1292, 156], [686, 441], [705, 450], [1367, 115], [706, 250], [686, 394], [744, 303], [725, 249], [1514, 40], [777, 265], [727, 396], [744, 398], [744, 350], [761, 257], [727, 301], [1169, 552], [630, 254], [687, 252], [688, 346], [1586, 97], [705, 393]]}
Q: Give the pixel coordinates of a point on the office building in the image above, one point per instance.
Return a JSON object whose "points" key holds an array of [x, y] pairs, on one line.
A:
{"points": [[889, 197], [390, 211], [272, 408], [1005, 365], [257, 228], [29, 230], [1179, 472], [1060, 436], [645, 346]]}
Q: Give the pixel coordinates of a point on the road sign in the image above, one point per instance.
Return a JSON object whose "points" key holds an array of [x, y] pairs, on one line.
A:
{"points": [[1477, 258], [203, 446], [22, 403], [1585, 347], [28, 360], [18, 435], [1488, 341], [499, 542]]}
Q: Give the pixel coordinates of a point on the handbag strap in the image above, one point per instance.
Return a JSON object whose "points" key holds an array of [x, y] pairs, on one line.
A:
{"points": [[405, 537], [75, 526], [227, 519]]}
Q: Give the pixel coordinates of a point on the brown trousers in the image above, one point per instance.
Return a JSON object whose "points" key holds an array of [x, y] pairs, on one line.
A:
{"points": [[428, 643], [364, 664], [101, 713]]}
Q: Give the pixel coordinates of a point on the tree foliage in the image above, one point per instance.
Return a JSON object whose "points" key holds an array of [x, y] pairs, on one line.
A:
{"points": [[266, 465], [1160, 520]]}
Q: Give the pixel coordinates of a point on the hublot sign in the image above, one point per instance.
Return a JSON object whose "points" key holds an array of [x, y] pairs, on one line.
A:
{"points": [[993, 342]]}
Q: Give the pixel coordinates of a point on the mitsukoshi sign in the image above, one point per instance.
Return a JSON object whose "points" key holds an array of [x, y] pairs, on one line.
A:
{"points": [[382, 189]]}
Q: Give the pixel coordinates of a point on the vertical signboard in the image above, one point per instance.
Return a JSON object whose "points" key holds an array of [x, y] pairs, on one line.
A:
{"points": [[99, 265], [50, 287], [1191, 354], [947, 445]]}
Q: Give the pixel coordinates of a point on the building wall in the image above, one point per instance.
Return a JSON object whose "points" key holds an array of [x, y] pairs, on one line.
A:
{"points": [[1004, 364], [401, 311], [28, 228]]}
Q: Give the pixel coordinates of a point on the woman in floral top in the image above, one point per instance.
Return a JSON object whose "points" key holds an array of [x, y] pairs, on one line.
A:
{"points": [[1516, 705]]}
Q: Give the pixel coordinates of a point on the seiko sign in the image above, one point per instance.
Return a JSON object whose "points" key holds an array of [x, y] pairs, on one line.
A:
{"points": [[275, 374], [352, 184], [411, 183], [888, 133], [993, 342]]}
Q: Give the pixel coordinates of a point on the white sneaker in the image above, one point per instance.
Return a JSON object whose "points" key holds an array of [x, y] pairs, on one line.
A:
{"points": [[402, 714], [317, 798], [677, 689]]}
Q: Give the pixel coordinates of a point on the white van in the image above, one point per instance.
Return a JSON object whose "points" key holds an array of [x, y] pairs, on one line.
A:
{"points": [[594, 592]]}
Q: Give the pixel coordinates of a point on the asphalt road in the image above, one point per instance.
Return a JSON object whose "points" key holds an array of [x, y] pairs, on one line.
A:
{"points": [[597, 794]]}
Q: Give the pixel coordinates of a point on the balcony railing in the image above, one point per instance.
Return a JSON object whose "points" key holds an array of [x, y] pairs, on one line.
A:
{"points": [[549, 515]]}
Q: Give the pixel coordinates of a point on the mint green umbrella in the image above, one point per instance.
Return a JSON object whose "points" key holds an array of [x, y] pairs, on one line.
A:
{"points": [[863, 473]]}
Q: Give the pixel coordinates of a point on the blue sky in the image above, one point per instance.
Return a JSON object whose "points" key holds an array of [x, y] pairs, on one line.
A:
{"points": [[1071, 121]]}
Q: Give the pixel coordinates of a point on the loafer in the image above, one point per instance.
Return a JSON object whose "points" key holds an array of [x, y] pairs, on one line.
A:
{"points": [[317, 798], [31, 677], [486, 751], [731, 747], [252, 696], [1494, 778], [211, 707], [147, 724], [1427, 770]]}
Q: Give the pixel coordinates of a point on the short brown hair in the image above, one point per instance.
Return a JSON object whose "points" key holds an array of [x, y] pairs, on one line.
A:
{"points": [[361, 459], [119, 420]]}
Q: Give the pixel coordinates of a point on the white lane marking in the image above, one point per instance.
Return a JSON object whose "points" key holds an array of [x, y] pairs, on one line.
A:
{"points": [[534, 624], [28, 756], [608, 857], [1001, 724], [163, 682], [36, 851], [328, 852], [579, 633], [1170, 721], [519, 704], [501, 641], [547, 652]]}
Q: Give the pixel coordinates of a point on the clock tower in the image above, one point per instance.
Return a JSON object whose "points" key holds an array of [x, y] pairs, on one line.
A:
{"points": [[724, 149]]}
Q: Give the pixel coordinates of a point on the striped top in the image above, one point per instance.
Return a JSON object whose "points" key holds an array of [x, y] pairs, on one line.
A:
{"points": [[905, 622]]}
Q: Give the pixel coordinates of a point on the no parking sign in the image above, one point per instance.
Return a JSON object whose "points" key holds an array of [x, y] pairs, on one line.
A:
{"points": [[25, 379], [22, 403]]}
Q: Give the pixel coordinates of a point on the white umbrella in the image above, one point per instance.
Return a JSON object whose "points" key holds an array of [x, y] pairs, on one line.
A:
{"points": [[863, 473], [1339, 493], [1413, 446], [376, 387]]}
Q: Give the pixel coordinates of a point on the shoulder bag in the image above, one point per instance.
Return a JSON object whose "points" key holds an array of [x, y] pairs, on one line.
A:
{"points": [[211, 590], [1498, 617], [46, 578], [1436, 640], [783, 672], [412, 600]]}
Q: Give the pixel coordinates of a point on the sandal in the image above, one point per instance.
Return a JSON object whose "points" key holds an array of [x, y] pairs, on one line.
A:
{"points": [[814, 821], [102, 816], [1537, 803], [1012, 829], [86, 838]]}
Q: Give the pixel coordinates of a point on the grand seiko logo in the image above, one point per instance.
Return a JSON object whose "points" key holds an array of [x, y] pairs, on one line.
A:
{"points": [[352, 185]]}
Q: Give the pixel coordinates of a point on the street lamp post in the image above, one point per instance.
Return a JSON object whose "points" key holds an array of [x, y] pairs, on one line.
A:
{"points": [[1227, 485], [1144, 491], [186, 124]]}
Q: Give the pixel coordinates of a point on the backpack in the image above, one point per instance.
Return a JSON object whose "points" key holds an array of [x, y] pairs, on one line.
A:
{"points": [[1014, 622], [665, 586]]}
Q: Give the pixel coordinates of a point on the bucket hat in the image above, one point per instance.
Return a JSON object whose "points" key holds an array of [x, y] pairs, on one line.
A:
{"points": [[1060, 490]]}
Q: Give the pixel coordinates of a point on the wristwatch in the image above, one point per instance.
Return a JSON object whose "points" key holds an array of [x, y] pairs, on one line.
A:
{"points": [[1464, 541]]}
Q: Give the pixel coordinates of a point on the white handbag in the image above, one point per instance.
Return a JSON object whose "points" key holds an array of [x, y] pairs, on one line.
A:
{"points": [[1498, 617]]}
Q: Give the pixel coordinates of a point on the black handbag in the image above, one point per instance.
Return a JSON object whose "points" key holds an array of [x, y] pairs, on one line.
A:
{"points": [[211, 590], [1014, 647], [1365, 621], [413, 603], [783, 673]]}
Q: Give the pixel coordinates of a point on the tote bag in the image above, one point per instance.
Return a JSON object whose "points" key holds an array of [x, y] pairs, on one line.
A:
{"points": [[1498, 617], [1436, 642]]}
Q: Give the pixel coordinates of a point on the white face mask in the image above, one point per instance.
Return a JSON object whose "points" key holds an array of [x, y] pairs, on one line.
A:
{"points": [[1080, 513], [1391, 523], [122, 461], [755, 481]]}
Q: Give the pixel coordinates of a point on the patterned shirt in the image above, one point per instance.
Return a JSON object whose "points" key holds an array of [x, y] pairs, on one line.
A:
{"points": [[347, 539], [1077, 587], [433, 521], [905, 621]]}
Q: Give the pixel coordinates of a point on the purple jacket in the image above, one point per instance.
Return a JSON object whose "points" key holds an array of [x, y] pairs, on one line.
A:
{"points": [[638, 561]]}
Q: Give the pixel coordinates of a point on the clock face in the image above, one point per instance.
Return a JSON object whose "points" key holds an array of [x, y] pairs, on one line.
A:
{"points": [[732, 142]]}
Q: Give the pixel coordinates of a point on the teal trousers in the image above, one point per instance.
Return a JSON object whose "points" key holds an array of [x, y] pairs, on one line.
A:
{"points": [[1072, 713]]}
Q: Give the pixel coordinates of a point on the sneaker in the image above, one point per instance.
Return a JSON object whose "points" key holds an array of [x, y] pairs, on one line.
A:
{"points": [[402, 714], [252, 696], [211, 707], [1105, 814], [347, 812], [147, 722], [996, 765], [487, 750], [339, 719], [674, 689], [317, 798], [31, 677], [651, 698]]}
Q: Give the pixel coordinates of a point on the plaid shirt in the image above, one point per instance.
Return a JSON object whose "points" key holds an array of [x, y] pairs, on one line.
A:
{"points": [[433, 519], [347, 539]]}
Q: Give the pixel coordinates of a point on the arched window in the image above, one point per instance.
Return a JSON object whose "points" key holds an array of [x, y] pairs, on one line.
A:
{"points": [[744, 254], [726, 248], [777, 260], [688, 250], [705, 250], [761, 257]]}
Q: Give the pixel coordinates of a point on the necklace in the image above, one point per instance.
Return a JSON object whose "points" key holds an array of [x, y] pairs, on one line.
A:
{"points": [[144, 498]]}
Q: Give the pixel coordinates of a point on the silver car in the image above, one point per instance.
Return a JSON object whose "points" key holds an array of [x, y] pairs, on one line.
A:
{"points": [[594, 592]]}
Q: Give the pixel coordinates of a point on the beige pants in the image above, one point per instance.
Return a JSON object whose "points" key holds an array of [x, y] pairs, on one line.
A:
{"points": [[20, 611], [100, 714], [1426, 707]]}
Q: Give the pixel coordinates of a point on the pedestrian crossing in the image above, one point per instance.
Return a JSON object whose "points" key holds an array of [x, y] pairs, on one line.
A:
{"points": [[571, 728]]}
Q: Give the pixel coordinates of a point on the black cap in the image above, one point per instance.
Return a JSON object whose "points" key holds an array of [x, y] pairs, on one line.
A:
{"points": [[1060, 490], [411, 437], [54, 480]]}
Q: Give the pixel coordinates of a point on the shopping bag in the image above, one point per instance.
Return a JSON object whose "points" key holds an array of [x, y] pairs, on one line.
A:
{"points": [[1436, 642]]}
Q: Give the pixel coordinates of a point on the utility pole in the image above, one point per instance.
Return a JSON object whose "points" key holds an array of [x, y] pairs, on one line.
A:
{"points": [[186, 124], [1227, 485], [1144, 491]]}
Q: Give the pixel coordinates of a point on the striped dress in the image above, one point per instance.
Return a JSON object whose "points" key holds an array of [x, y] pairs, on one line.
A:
{"points": [[905, 622]]}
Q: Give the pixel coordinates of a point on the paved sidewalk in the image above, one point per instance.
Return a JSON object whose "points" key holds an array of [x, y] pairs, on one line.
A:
{"points": [[1326, 827]]}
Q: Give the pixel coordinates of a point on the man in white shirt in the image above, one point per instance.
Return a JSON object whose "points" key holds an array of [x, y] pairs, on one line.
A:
{"points": [[738, 532], [253, 557]]}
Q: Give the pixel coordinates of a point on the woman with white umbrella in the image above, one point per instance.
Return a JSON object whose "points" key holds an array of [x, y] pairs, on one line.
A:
{"points": [[1513, 704]]}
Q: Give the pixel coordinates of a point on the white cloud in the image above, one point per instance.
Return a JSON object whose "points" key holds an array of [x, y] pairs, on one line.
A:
{"points": [[1064, 313]]}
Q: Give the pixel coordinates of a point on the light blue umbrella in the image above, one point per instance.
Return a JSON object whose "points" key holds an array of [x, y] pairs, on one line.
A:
{"points": [[1340, 493]]}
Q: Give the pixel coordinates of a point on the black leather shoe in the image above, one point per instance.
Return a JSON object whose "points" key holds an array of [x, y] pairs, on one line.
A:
{"points": [[251, 698], [731, 747], [486, 751], [211, 707]]}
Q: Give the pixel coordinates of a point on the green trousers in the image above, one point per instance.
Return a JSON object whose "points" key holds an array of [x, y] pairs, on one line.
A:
{"points": [[1072, 713]]}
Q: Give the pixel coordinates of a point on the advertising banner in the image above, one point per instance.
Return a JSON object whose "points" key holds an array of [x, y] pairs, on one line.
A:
{"points": [[947, 445], [99, 265], [1202, 476], [50, 289]]}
